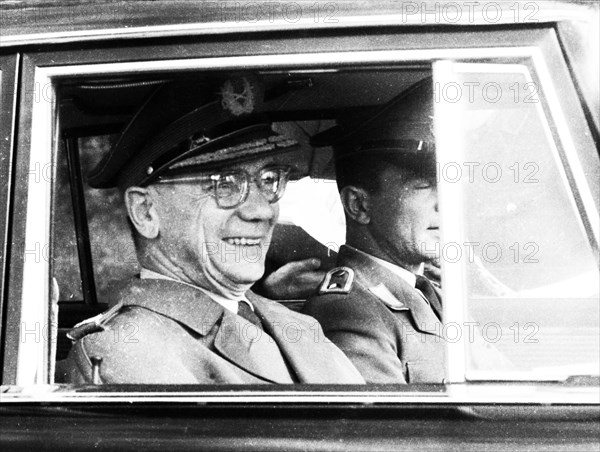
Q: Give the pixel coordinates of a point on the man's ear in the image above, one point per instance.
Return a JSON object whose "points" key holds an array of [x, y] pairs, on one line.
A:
{"points": [[356, 203], [142, 211]]}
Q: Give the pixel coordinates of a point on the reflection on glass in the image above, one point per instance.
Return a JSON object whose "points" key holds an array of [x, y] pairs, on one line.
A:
{"points": [[532, 280]]}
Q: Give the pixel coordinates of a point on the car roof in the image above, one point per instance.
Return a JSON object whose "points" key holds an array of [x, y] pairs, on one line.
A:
{"points": [[25, 22]]}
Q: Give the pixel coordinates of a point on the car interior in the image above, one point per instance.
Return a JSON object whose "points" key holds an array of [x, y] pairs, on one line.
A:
{"points": [[92, 249]]}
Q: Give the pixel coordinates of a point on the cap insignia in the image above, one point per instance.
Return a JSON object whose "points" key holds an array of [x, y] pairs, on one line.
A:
{"points": [[238, 96], [253, 147]]}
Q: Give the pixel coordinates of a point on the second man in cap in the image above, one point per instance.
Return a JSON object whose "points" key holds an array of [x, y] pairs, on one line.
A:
{"points": [[376, 305]]}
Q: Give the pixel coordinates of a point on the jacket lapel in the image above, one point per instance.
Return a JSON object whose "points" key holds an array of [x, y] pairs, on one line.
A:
{"points": [[236, 339], [302, 342], [424, 318], [178, 301], [392, 290], [253, 350]]}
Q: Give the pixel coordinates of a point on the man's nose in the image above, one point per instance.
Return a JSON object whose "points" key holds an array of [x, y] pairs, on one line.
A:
{"points": [[256, 207]]}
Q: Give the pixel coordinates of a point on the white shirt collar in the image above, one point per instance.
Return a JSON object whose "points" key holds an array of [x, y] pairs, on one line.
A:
{"points": [[403, 273], [227, 303]]}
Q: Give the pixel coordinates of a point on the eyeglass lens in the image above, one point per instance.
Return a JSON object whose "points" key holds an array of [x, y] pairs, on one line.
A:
{"points": [[231, 188]]}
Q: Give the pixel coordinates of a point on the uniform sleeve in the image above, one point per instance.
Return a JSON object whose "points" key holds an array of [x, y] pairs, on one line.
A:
{"points": [[131, 363], [135, 348]]}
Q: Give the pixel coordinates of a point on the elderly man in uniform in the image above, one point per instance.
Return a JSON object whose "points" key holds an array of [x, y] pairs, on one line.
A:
{"points": [[201, 175], [376, 305]]}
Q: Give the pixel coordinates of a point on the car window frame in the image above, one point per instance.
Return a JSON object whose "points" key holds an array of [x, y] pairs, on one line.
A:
{"points": [[44, 69], [9, 76]]}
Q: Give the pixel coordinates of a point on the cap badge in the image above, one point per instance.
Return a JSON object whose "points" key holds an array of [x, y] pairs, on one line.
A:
{"points": [[238, 96]]}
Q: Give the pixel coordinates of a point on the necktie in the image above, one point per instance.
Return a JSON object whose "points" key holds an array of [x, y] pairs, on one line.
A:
{"points": [[426, 288], [246, 312]]}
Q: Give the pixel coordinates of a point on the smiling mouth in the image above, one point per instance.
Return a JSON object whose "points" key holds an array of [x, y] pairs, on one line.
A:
{"points": [[243, 241]]}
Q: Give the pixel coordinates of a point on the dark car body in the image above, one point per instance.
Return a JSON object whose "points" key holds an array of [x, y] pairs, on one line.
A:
{"points": [[50, 52]]}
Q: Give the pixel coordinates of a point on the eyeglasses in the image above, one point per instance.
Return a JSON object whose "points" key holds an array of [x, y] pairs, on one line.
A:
{"points": [[231, 188]]}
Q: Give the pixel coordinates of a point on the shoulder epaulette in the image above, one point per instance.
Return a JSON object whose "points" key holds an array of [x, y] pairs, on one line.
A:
{"points": [[338, 280], [93, 324]]}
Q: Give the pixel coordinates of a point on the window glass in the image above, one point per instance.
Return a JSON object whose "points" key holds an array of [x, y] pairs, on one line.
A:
{"points": [[312, 202], [314, 205], [111, 243], [531, 276], [311, 222], [65, 257], [113, 254]]}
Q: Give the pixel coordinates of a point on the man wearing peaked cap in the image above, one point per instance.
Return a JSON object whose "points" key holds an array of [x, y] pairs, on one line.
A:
{"points": [[201, 173], [376, 305]]}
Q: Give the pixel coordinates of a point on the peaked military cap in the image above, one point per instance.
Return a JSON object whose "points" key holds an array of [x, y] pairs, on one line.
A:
{"points": [[186, 126], [400, 132]]}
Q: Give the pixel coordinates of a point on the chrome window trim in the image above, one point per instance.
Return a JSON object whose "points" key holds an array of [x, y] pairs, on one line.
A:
{"points": [[35, 307], [451, 198], [284, 61], [484, 393], [558, 118], [35, 300]]}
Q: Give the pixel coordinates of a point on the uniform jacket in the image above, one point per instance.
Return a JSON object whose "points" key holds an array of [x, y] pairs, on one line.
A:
{"points": [[163, 331], [386, 328]]}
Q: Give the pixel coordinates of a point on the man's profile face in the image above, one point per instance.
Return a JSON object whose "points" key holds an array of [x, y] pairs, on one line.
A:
{"points": [[208, 243], [404, 216]]}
